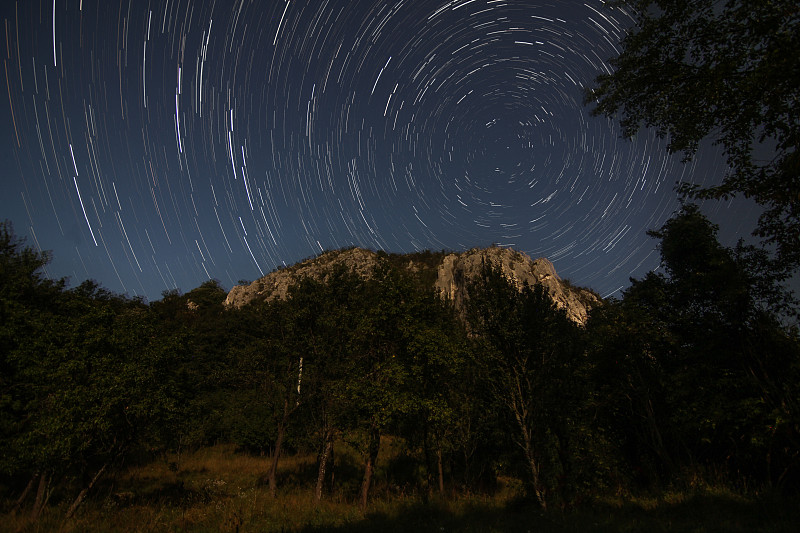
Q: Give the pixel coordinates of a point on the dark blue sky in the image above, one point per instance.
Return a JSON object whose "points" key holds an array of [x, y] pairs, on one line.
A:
{"points": [[153, 145]]}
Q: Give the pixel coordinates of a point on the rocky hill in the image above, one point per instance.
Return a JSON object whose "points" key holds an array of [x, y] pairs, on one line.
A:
{"points": [[450, 274]]}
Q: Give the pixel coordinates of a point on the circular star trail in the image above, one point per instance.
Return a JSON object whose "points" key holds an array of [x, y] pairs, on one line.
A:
{"points": [[154, 145]]}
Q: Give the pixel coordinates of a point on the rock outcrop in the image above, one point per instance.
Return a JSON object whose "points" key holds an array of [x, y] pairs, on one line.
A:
{"points": [[451, 280], [457, 269], [276, 284]]}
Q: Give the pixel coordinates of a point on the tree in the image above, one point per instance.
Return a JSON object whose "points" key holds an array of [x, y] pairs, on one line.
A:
{"points": [[526, 343], [433, 355], [726, 372], [87, 377], [284, 374], [694, 370], [324, 315], [724, 70], [208, 297], [27, 299], [378, 395], [631, 344]]}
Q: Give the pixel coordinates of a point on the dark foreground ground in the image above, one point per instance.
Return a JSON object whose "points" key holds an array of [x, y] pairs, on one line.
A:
{"points": [[217, 490]]}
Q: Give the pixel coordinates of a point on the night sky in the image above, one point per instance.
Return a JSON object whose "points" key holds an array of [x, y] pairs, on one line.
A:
{"points": [[152, 145]]}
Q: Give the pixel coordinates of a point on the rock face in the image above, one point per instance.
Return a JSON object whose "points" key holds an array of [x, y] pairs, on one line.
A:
{"points": [[452, 277], [457, 269], [276, 284]]}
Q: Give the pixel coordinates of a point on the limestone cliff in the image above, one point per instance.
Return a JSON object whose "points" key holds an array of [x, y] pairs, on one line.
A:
{"points": [[451, 278], [457, 269], [276, 284]]}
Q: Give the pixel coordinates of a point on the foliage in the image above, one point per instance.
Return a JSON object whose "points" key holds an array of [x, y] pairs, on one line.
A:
{"points": [[88, 377], [530, 351], [687, 365], [726, 71], [386, 390], [26, 300]]}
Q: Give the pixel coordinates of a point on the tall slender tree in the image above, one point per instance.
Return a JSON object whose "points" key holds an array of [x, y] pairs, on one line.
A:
{"points": [[524, 338]]}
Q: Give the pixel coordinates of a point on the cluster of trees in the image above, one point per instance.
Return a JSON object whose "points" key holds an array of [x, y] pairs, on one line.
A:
{"points": [[724, 72], [85, 377], [700, 370], [688, 373]]}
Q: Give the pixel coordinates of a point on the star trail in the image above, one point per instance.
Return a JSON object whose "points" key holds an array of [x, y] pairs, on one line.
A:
{"points": [[152, 145]]}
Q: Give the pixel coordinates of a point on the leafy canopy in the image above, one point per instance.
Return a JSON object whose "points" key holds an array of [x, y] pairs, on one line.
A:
{"points": [[724, 70]]}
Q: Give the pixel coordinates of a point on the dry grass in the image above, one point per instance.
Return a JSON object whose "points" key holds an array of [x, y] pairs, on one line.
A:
{"points": [[212, 489], [215, 489]]}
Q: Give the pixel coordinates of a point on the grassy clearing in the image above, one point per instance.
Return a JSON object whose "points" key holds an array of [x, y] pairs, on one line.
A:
{"points": [[215, 489]]}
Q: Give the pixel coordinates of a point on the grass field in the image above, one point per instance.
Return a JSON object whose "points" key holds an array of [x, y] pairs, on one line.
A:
{"points": [[215, 489]]}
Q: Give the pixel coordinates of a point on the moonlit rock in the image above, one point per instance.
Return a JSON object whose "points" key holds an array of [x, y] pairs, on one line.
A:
{"points": [[276, 284], [452, 278], [457, 269]]}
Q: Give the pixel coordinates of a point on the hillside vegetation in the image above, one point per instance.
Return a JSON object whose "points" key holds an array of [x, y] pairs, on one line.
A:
{"points": [[361, 402]]}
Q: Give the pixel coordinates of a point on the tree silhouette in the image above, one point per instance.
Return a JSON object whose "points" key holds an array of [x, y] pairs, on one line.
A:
{"points": [[726, 71]]}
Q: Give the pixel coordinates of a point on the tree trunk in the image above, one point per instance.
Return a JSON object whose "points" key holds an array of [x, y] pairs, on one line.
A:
{"points": [[565, 490], [327, 448], [441, 472], [24, 494], [656, 440], [273, 468], [83, 493], [524, 423], [534, 467], [332, 469], [41, 497], [368, 467], [372, 455], [428, 466]]}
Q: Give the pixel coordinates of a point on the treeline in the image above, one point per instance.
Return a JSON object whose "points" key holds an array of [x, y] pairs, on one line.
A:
{"points": [[690, 375]]}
